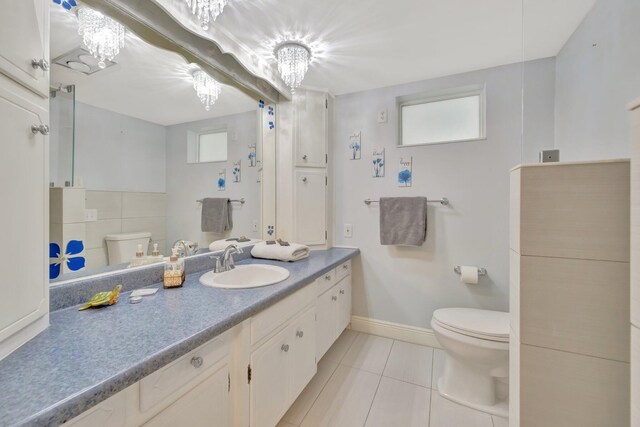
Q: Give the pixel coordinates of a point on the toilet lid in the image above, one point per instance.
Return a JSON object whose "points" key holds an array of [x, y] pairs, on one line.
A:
{"points": [[494, 325]]}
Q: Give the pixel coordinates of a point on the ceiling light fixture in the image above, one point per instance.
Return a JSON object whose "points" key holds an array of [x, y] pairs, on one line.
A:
{"points": [[206, 88], [293, 62], [101, 35], [206, 10]]}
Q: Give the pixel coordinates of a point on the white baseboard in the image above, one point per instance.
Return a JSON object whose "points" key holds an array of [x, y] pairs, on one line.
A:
{"points": [[395, 331]]}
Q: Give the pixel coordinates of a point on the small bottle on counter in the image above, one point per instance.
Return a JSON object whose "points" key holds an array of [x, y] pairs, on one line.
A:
{"points": [[155, 256], [174, 273], [140, 258]]}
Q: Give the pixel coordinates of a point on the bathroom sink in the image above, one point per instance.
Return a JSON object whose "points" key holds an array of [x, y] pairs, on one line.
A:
{"points": [[245, 276]]}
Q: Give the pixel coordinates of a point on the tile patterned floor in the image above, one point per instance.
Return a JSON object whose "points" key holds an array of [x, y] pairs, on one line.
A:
{"points": [[370, 381]]}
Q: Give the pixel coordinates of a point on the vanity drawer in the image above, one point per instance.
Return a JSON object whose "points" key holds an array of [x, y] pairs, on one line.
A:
{"points": [[166, 381], [268, 320], [325, 282], [343, 270]]}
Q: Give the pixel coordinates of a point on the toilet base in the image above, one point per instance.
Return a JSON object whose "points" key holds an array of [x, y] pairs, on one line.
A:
{"points": [[499, 409]]}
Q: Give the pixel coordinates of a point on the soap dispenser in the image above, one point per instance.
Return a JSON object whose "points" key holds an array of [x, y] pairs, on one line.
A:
{"points": [[139, 259], [155, 256], [174, 273]]}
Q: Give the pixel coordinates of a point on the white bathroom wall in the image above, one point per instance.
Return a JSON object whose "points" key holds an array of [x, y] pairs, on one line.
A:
{"points": [[405, 284], [597, 76], [61, 138], [187, 183], [115, 152], [538, 108]]}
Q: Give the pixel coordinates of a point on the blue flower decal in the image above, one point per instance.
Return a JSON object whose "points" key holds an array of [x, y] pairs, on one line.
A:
{"points": [[261, 104], [67, 4], [271, 111], [378, 164], [404, 177], [221, 183], [252, 157], [74, 247], [270, 230], [355, 147], [271, 125], [236, 174]]}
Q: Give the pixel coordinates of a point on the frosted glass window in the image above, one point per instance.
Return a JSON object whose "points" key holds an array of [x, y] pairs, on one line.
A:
{"points": [[212, 147], [444, 119]]}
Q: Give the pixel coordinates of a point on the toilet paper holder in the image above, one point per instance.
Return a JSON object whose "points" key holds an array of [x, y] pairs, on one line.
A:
{"points": [[481, 271]]}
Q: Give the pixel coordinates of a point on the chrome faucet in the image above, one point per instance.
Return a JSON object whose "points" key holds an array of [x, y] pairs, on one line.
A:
{"points": [[185, 247], [227, 258]]}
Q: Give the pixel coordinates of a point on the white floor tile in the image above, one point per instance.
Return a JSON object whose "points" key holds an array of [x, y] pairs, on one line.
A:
{"points": [[398, 403], [410, 363], [369, 353], [438, 367], [341, 346], [500, 422], [445, 413], [345, 401], [303, 403]]}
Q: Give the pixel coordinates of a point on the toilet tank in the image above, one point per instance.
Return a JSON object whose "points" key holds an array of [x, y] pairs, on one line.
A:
{"points": [[121, 248]]}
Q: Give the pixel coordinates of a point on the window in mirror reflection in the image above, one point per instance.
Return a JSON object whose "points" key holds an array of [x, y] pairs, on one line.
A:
{"points": [[212, 147], [457, 115]]}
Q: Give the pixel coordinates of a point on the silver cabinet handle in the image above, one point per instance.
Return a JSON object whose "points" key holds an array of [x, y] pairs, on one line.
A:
{"points": [[334, 298], [304, 179], [285, 347], [40, 63], [196, 361], [43, 129], [300, 334], [341, 291], [304, 157]]}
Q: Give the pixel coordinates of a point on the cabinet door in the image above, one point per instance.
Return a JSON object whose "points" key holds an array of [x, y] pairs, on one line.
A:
{"points": [[310, 216], [269, 380], [311, 129], [206, 405], [24, 36], [344, 304], [110, 413], [303, 363], [25, 213], [326, 323]]}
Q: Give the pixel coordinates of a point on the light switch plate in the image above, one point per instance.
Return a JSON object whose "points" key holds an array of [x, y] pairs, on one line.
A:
{"points": [[348, 230], [255, 225], [382, 116], [90, 215]]}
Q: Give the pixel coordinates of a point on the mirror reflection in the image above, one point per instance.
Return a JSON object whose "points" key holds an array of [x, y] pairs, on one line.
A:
{"points": [[141, 164]]}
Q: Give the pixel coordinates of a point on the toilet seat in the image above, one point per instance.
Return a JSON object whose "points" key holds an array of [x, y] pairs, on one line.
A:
{"points": [[476, 323]]}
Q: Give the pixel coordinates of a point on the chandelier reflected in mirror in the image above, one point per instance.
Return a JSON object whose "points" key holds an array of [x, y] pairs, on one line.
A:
{"points": [[206, 10], [206, 88], [293, 62], [101, 35]]}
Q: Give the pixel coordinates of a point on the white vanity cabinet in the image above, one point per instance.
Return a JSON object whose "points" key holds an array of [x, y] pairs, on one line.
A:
{"points": [[24, 32], [283, 365], [310, 189], [334, 306], [311, 128], [24, 43]]}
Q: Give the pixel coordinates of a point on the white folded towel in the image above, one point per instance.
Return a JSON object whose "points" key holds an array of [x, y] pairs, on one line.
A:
{"points": [[221, 245], [293, 252]]}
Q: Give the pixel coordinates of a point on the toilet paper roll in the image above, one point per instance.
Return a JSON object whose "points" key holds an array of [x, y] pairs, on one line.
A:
{"points": [[469, 274]]}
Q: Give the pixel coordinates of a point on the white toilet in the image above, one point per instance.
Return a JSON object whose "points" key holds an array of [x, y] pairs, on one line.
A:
{"points": [[476, 343], [121, 248]]}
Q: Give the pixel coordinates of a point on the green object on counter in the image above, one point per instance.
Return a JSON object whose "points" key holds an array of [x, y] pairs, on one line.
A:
{"points": [[103, 298]]}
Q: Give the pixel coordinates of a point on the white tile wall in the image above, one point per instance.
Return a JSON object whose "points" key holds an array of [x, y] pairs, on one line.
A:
{"points": [[635, 376], [142, 205], [108, 203], [98, 229]]}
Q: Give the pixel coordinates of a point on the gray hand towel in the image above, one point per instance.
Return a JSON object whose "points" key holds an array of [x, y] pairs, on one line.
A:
{"points": [[403, 220], [216, 215]]}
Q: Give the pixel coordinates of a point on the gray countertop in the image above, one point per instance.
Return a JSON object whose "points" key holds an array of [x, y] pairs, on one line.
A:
{"points": [[85, 357]]}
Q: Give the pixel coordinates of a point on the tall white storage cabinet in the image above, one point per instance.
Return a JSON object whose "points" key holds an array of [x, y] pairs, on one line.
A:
{"points": [[24, 112], [635, 263], [304, 200]]}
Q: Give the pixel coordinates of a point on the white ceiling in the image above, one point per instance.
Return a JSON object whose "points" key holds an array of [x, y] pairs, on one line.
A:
{"points": [[148, 83], [365, 44], [359, 45]]}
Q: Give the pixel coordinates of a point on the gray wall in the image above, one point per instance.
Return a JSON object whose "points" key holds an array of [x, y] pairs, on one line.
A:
{"points": [[115, 152], [405, 284], [594, 85], [187, 183]]}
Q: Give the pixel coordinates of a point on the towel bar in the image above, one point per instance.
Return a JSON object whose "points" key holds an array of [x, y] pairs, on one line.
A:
{"points": [[241, 201], [444, 201], [481, 271]]}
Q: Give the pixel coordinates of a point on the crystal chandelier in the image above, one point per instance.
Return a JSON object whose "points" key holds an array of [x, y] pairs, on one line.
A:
{"points": [[101, 35], [206, 88], [206, 10], [293, 62]]}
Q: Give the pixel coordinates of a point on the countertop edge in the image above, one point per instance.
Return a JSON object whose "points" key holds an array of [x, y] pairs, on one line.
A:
{"points": [[88, 398]]}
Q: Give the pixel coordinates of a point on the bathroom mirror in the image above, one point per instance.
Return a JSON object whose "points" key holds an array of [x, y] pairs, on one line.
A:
{"points": [[577, 89], [134, 151]]}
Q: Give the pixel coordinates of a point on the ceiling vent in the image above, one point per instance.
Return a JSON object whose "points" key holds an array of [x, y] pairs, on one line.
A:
{"points": [[82, 61]]}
